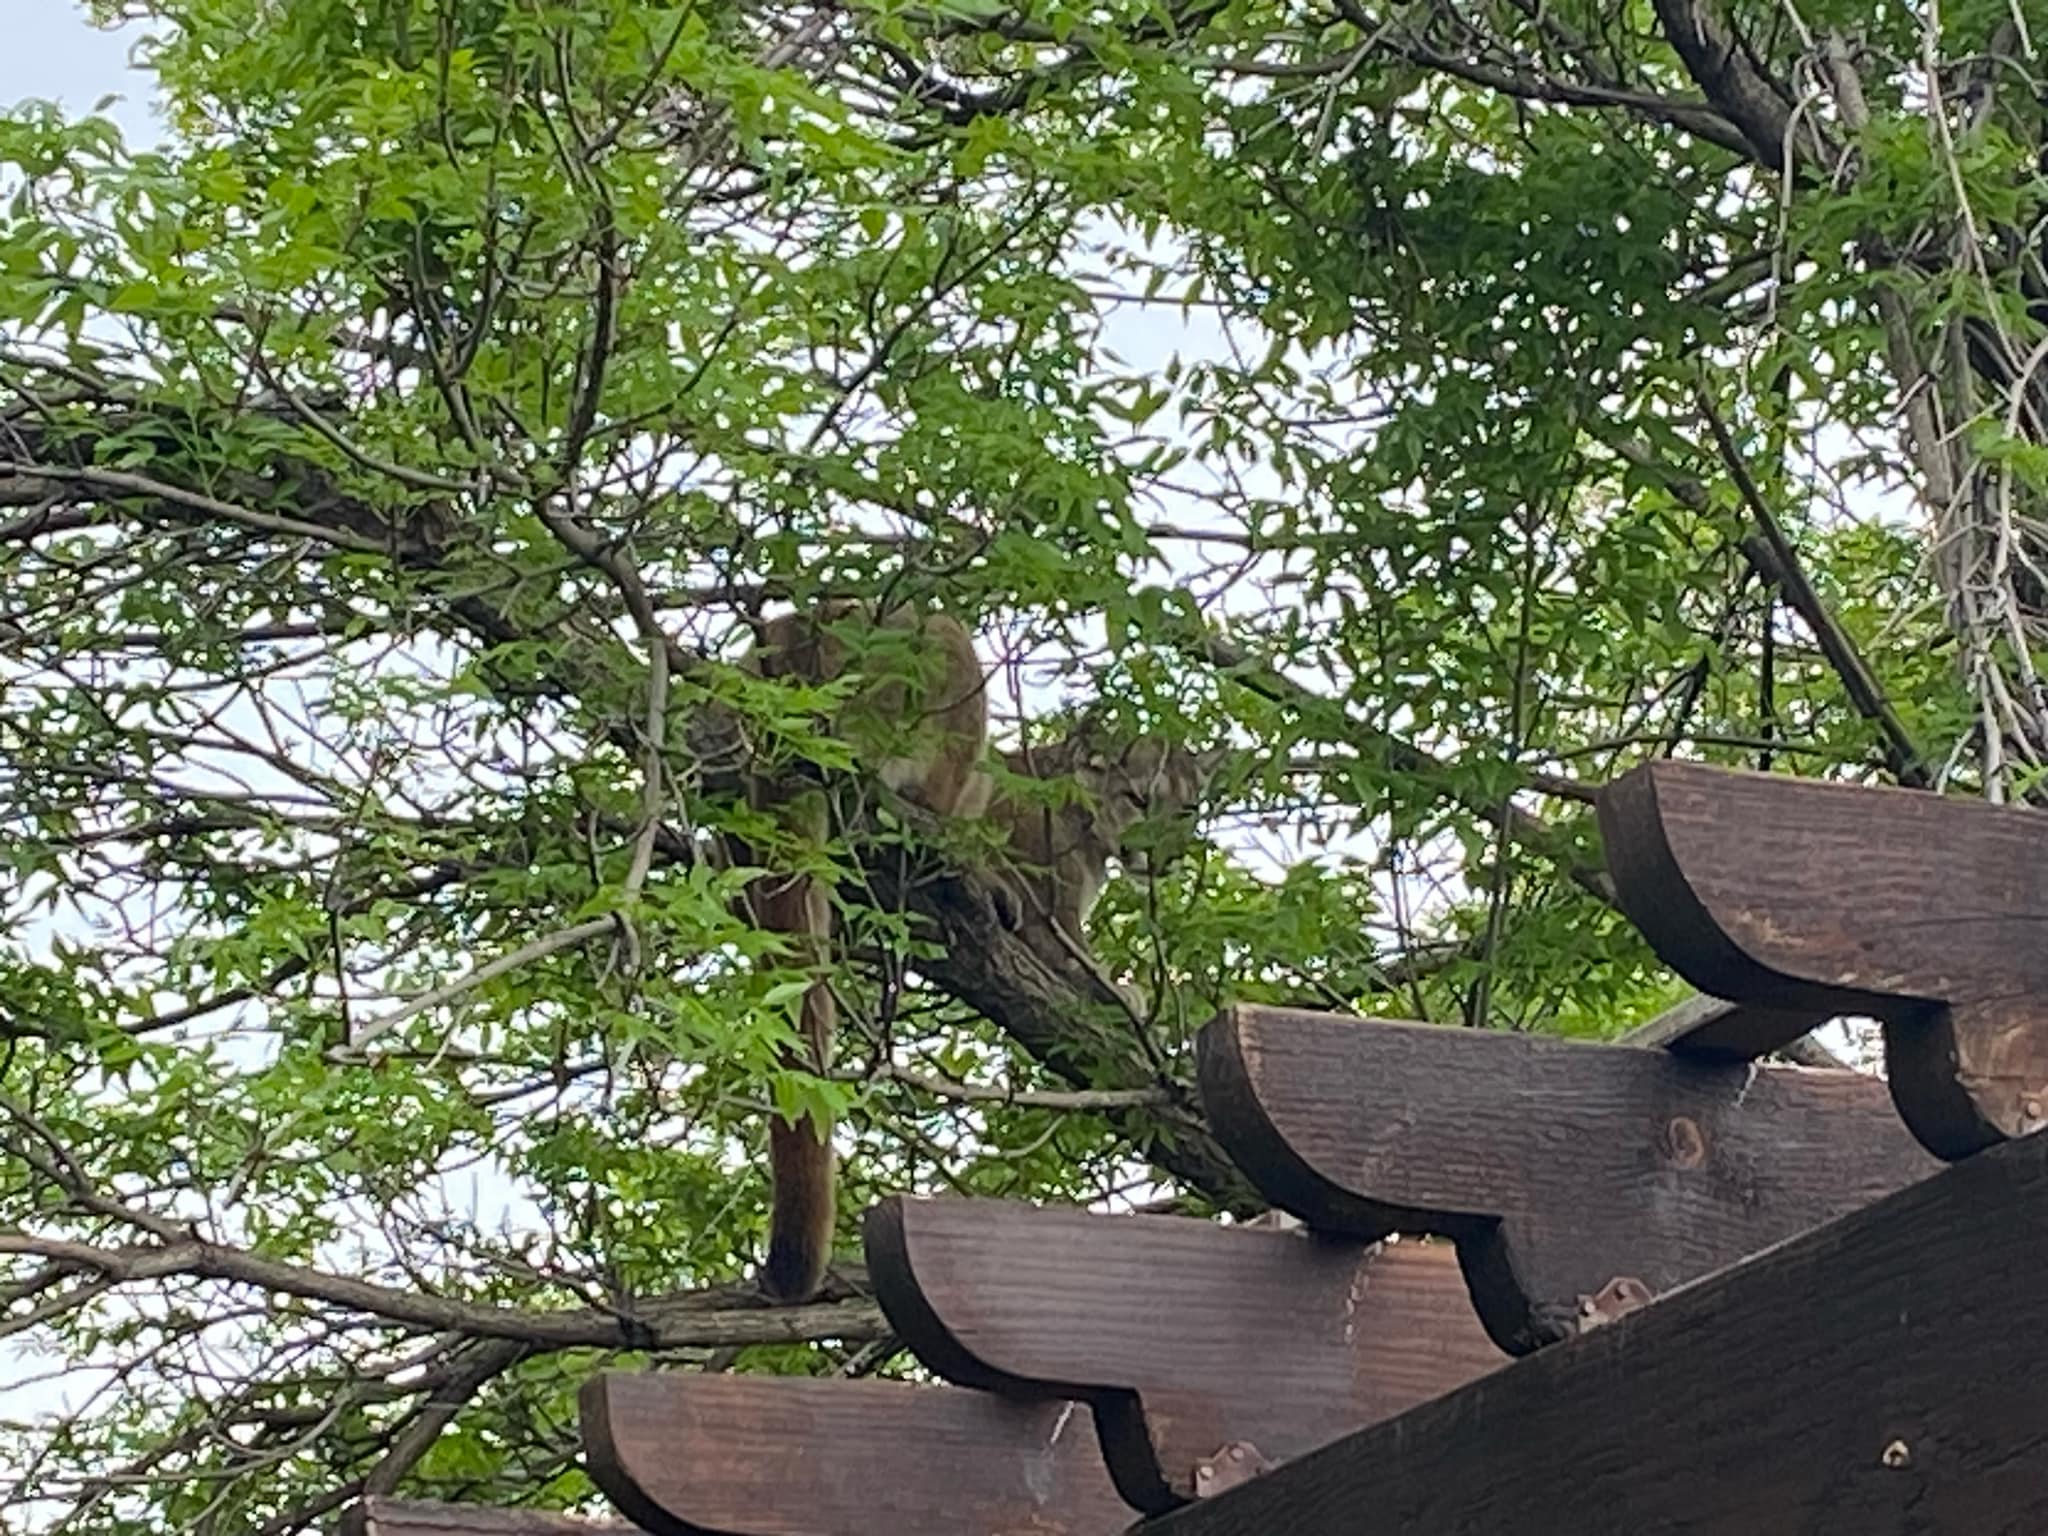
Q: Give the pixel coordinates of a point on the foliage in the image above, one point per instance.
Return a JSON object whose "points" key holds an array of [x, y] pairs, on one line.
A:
{"points": [[394, 455]]}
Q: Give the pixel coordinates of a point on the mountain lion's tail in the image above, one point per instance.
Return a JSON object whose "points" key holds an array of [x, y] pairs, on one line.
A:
{"points": [[800, 1160]]}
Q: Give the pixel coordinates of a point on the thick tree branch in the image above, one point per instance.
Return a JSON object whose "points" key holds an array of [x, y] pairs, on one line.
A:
{"points": [[1068, 1018], [696, 1319], [479, 1365], [1728, 74], [1701, 119]]}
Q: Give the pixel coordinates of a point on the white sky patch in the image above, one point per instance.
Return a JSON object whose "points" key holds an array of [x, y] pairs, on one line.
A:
{"points": [[55, 53]]}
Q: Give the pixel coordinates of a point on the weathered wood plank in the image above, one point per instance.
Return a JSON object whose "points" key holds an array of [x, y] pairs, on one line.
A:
{"points": [[1703, 1025], [685, 1455], [1926, 912], [1577, 1179], [1878, 1377], [1189, 1339], [422, 1517]]}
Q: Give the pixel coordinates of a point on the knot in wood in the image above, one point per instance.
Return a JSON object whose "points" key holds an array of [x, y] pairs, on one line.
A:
{"points": [[1685, 1144]]}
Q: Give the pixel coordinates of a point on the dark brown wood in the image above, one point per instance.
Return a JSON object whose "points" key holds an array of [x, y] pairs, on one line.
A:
{"points": [[1576, 1178], [1703, 1026], [1880, 1376], [1926, 912], [421, 1517], [686, 1455], [1189, 1339]]}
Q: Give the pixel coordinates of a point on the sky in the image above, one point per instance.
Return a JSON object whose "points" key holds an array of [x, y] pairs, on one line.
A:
{"points": [[54, 52]]}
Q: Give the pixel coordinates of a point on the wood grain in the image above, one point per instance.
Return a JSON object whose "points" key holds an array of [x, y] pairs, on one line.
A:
{"points": [[1187, 1338], [421, 1517], [1878, 1377], [687, 1455], [1574, 1177], [1926, 912]]}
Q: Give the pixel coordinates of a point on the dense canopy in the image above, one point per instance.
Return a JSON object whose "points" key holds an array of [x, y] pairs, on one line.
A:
{"points": [[1442, 405]]}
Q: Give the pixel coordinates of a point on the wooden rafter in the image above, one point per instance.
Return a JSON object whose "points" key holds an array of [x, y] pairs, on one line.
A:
{"points": [[1877, 1377]]}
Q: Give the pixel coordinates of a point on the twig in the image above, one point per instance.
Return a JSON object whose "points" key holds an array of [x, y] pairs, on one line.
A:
{"points": [[539, 949], [1777, 562], [1081, 1100], [122, 483], [1401, 755]]}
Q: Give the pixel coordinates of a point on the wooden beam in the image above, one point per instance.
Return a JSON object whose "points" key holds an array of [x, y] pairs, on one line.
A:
{"points": [[689, 1455], [420, 1517], [1705, 1026], [1203, 1349], [1878, 1377], [1926, 912], [1578, 1179]]}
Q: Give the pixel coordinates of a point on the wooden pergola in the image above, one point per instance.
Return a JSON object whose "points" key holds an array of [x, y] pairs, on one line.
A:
{"points": [[1544, 1286]]}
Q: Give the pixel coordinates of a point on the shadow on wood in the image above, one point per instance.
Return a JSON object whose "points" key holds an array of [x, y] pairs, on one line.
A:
{"points": [[1202, 1348], [420, 1517], [689, 1455], [1878, 1377], [1577, 1179], [1713, 1026], [1926, 912]]}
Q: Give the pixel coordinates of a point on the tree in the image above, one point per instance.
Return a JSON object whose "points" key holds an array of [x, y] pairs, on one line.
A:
{"points": [[393, 460]]}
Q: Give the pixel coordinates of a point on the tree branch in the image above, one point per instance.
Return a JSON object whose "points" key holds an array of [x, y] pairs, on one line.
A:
{"points": [[1727, 73], [1771, 555], [1094, 1100], [1062, 1011], [1400, 754], [695, 1319]]}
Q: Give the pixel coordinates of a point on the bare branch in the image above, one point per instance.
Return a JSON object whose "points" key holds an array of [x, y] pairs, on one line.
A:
{"points": [[1082, 1101], [697, 1319]]}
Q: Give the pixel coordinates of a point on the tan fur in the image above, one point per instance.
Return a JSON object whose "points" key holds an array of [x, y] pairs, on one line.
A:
{"points": [[1060, 852], [922, 723]]}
